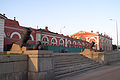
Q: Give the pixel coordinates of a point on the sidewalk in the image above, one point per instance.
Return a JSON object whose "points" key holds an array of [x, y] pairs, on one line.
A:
{"points": [[108, 72]]}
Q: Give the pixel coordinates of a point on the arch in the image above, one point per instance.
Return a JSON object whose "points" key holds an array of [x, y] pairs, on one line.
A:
{"points": [[92, 38], [74, 42], [68, 41], [45, 40], [54, 41], [60, 42], [83, 38], [83, 43], [79, 43], [87, 44], [14, 34], [32, 38]]}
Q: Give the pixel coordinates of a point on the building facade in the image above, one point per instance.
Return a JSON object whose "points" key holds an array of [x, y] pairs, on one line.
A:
{"points": [[13, 31], [102, 42], [55, 39]]}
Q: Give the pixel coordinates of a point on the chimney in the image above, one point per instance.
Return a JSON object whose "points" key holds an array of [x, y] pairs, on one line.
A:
{"points": [[3, 14], [67, 35], [91, 31], [46, 28], [14, 18], [98, 32]]}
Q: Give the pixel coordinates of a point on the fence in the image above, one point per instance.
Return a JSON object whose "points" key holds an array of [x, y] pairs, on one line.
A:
{"points": [[62, 49]]}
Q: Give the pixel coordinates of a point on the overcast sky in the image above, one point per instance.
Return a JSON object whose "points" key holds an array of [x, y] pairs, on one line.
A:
{"points": [[69, 16]]}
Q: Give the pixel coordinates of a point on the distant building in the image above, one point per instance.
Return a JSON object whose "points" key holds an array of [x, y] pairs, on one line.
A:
{"points": [[103, 42], [13, 31]]}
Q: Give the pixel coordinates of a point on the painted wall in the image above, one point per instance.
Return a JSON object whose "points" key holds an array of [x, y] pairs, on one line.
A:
{"points": [[1, 35], [13, 32], [103, 42]]}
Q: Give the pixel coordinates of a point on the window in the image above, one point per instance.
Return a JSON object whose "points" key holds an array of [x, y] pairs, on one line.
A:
{"points": [[69, 43], [74, 43], [54, 41], [45, 40], [61, 42]]}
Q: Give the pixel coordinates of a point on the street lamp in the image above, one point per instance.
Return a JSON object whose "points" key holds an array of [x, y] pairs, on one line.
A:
{"points": [[61, 29], [116, 31]]}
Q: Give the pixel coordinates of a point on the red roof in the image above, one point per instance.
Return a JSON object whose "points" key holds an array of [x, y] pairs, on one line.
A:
{"points": [[81, 33]]}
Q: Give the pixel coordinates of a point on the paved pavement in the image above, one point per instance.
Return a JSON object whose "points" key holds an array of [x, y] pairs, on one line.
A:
{"points": [[108, 72]]}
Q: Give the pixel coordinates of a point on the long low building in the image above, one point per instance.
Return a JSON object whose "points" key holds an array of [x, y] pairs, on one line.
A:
{"points": [[12, 33]]}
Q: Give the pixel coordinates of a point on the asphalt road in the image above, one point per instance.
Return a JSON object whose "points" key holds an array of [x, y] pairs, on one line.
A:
{"points": [[109, 72]]}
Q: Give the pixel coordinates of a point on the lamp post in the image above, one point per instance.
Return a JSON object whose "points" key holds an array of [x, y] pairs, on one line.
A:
{"points": [[61, 29], [116, 31]]}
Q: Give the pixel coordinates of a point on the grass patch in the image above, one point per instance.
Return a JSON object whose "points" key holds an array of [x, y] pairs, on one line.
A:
{"points": [[111, 51], [12, 54], [5, 53]]}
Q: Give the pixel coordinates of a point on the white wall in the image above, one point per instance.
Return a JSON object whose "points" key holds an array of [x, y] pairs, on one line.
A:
{"points": [[38, 37], [106, 44], [1, 35]]}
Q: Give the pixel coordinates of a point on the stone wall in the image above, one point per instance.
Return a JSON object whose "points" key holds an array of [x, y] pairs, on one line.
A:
{"points": [[41, 65], [101, 57], [96, 56], [1, 34], [35, 65], [44, 65], [111, 57], [13, 67]]}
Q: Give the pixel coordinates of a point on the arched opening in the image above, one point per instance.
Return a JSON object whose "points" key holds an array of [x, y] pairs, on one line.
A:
{"points": [[61, 42], [15, 35], [54, 41], [45, 40], [69, 43]]}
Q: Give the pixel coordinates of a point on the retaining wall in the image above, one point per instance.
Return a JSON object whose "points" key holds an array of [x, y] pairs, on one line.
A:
{"points": [[13, 67], [39, 64], [111, 57], [102, 57]]}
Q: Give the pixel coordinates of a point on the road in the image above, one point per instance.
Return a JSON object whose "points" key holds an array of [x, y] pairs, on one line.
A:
{"points": [[108, 72]]}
